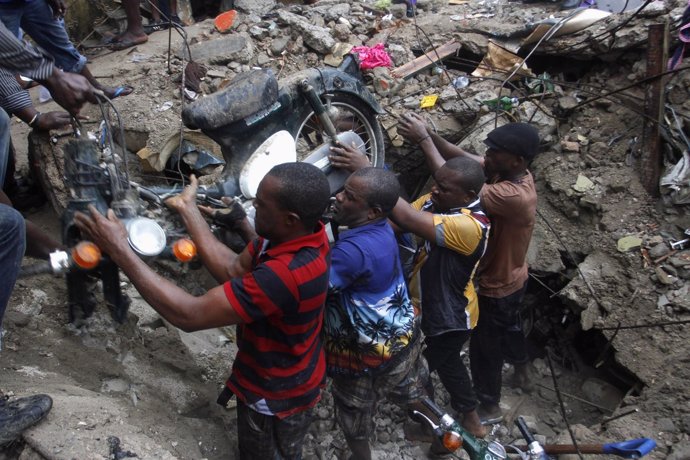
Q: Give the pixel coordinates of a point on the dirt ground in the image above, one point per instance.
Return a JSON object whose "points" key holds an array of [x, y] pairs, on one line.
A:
{"points": [[145, 388]]}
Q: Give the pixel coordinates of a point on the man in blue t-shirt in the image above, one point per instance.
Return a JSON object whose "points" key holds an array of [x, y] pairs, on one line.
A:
{"points": [[370, 332]]}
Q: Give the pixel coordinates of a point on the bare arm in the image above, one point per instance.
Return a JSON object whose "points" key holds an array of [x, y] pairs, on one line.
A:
{"points": [[177, 306], [421, 223], [38, 243], [220, 260], [436, 149]]}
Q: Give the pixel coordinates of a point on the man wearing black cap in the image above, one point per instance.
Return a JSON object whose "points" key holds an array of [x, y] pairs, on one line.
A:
{"points": [[509, 198]]}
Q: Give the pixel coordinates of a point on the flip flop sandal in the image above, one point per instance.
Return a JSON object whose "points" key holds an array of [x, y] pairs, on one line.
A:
{"points": [[122, 90], [124, 44]]}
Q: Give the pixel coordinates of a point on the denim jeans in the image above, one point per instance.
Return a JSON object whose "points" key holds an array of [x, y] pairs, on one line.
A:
{"points": [[12, 242], [36, 19], [498, 337]]}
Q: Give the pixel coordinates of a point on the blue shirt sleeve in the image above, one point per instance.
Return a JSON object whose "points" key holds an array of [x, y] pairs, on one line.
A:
{"points": [[347, 265]]}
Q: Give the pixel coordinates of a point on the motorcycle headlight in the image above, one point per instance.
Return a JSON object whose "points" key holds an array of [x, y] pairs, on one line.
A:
{"points": [[146, 237]]}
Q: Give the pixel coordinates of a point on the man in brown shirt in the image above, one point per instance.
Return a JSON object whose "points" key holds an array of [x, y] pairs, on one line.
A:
{"points": [[509, 199]]}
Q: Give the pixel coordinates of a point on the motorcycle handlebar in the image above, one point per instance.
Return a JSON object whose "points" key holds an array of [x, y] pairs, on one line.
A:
{"points": [[433, 407], [522, 426]]}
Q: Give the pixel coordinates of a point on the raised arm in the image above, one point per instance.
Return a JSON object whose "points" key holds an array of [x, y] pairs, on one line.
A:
{"points": [[220, 260], [436, 149], [409, 219]]}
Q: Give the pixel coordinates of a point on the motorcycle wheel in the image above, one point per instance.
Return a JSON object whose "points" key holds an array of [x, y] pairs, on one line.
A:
{"points": [[349, 113]]}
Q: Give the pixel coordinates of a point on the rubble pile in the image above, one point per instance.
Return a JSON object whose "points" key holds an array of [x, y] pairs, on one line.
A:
{"points": [[602, 243]]}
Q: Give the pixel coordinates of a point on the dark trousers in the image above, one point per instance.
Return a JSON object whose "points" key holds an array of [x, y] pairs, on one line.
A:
{"points": [[443, 356], [498, 337], [266, 437]]}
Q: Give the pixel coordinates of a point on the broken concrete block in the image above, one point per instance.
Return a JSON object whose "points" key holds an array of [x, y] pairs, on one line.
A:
{"points": [[663, 277], [583, 184], [279, 44], [236, 47], [317, 38], [602, 393], [339, 52], [257, 7], [569, 146], [628, 243]]}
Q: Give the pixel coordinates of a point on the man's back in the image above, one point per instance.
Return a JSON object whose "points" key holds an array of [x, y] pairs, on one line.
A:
{"points": [[280, 366], [511, 206]]}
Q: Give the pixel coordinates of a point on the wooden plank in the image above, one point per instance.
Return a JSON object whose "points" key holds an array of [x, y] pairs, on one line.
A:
{"points": [[425, 61], [657, 56]]}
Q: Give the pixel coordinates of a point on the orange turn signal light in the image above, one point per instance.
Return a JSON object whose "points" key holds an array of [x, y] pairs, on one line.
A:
{"points": [[184, 249], [452, 441], [86, 255]]}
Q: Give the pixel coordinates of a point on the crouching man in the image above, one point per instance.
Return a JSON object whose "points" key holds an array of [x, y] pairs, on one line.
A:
{"points": [[275, 290]]}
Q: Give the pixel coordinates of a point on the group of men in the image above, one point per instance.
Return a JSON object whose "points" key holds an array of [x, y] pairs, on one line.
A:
{"points": [[306, 309], [383, 330]]}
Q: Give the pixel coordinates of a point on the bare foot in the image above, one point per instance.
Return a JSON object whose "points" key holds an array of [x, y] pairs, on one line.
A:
{"points": [[127, 40], [473, 424]]}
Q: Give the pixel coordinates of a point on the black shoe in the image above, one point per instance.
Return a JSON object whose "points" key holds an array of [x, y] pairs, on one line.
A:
{"points": [[19, 414]]}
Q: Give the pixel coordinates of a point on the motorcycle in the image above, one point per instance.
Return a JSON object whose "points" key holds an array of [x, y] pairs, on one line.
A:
{"points": [[451, 435], [257, 126]]}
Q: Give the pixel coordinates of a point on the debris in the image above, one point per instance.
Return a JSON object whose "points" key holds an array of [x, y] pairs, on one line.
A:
{"points": [[583, 184], [372, 57], [224, 21], [431, 57], [567, 25], [501, 61], [628, 243], [675, 184], [428, 101]]}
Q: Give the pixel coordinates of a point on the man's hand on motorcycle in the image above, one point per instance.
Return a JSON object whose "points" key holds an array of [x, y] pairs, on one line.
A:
{"points": [[55, 120], [413, 128], [348, 157], [108, 233], [187, 198], [229, 217]]}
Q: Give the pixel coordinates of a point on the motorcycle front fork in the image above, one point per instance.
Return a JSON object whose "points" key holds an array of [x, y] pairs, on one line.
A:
{"points": [[80, 288]]}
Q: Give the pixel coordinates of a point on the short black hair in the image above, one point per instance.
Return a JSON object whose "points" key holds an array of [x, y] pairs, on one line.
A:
{"points": [[470, 171], [382, 188], [304, 190]]}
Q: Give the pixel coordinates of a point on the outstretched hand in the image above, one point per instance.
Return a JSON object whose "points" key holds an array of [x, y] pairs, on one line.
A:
{"points": [[348, 157], [231, 217], [108, 233], [413, 128], [186, 199]]}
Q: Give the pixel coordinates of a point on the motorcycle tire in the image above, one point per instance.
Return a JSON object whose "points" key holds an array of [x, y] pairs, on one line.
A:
{"points": [[353, 115]]}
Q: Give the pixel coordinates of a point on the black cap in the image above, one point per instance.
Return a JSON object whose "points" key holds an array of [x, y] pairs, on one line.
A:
{"points": [[521, 139]]}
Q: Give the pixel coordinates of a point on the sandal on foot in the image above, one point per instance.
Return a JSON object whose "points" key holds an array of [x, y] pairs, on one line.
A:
{"points": [[122, 90], [118, 45]]}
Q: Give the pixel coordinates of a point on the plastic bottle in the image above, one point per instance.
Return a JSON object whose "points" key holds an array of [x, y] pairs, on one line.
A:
{"points": [[461, 82], [505, 103]]}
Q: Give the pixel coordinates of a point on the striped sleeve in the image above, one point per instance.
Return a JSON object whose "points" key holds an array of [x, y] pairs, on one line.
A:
{"points": [[17, 57], [12, 97]]}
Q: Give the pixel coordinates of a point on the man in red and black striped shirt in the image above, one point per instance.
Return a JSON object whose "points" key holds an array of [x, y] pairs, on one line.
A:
{"points": [[275, 290]]}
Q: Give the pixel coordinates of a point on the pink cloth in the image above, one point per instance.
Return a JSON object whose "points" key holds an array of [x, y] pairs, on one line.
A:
{"points": [[372, 57]]}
